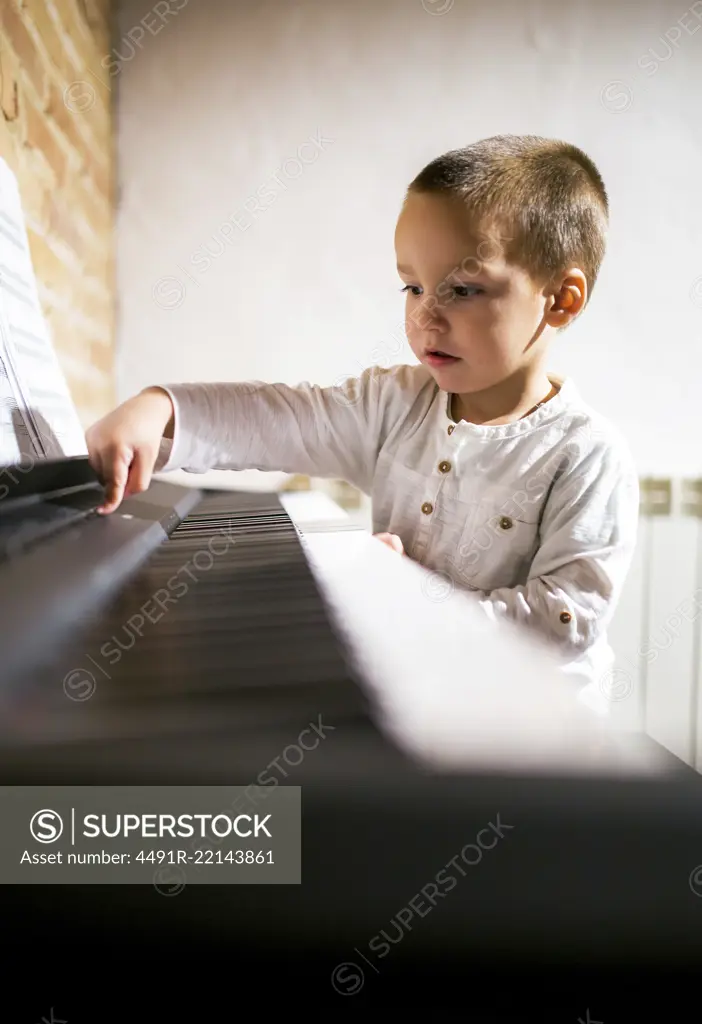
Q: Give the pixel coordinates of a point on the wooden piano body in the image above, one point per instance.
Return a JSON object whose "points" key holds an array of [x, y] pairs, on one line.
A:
{"points": [[434, 724]]}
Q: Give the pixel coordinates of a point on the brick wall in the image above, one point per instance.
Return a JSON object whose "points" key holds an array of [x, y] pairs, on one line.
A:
{"points": [[56, 135]]}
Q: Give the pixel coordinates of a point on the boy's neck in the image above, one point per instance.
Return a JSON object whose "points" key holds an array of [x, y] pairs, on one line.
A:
{"points": [[507, 402]]}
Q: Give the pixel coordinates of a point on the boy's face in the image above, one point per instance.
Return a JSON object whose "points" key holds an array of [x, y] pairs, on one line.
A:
{"points": [[463, 300]]}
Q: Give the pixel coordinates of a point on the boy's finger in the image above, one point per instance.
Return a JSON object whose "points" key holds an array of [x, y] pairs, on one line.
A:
{"points": [[392, 541], [114, 486], [96, 464], [396, 544], [139, 473]]}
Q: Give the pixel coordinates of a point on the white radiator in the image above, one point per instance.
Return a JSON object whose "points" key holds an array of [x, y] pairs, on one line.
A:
{"points": [[655, 631]]}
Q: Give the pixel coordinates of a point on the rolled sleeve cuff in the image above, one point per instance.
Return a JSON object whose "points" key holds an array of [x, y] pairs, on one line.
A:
{"points": [[168, 458]]}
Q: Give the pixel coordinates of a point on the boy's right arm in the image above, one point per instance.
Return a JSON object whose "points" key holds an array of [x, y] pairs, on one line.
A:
{"points": [[324, 432]]}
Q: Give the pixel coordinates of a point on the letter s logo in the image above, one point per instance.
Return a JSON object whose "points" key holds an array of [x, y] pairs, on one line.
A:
{"points": [[46, 826]]}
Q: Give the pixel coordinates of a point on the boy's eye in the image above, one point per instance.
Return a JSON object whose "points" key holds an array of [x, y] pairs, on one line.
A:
{"points": [[460, 291]]}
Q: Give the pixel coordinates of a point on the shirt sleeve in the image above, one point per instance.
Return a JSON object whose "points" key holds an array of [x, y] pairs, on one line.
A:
{"points": [[328, 432], [588, 536]]}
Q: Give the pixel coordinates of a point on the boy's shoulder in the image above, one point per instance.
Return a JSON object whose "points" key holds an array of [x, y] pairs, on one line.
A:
{"points": [[404, 389], [594, 434]]}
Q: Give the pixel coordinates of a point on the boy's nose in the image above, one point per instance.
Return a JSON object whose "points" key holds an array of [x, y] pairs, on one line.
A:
{"points": [[429, 314]]}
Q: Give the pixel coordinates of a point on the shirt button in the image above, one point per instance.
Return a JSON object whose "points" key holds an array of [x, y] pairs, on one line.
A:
{"points": [[451, 429], [427, 508], [506, 523], [444, 466], [565, 617]]}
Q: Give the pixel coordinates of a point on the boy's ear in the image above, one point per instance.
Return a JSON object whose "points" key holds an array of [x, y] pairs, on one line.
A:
{"points": [[568, 300]]}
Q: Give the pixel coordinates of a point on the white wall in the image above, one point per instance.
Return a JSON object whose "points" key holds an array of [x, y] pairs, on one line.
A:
{"points": [[213, 104], [211, 108]]}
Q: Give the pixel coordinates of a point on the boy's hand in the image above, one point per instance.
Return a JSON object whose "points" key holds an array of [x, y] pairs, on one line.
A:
{"points": [[392, 541], [124, 445]]}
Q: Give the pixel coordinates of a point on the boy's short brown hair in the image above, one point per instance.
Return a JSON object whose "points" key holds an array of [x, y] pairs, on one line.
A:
{"points": [[544, 199]]}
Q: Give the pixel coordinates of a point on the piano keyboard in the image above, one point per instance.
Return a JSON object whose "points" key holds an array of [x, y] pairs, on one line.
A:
{"points": [[223, 627]]}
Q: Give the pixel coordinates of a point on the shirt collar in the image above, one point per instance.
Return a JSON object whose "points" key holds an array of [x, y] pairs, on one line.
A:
{"points": [[550, 410]]}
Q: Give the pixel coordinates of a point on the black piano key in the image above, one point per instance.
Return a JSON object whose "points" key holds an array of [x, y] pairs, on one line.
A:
{"points": [[247, 642]]}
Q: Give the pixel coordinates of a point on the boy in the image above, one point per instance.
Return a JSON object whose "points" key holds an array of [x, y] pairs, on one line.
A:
{"points": [[480, 465]]}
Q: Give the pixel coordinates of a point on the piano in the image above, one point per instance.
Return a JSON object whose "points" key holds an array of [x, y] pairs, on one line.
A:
{"points": [[190, 637]]}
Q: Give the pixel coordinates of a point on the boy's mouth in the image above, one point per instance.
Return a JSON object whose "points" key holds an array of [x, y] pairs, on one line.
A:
{"points": [[435, 357]]}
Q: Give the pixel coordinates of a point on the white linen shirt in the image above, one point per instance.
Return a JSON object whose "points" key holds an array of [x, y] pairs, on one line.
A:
{"points": [[538, 517]]}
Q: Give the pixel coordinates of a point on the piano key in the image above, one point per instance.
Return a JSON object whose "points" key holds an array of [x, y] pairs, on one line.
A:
{"points": [[248, 624]]}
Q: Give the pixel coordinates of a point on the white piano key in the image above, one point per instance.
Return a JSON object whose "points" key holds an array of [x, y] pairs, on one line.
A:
{"points": [[455, 689]]}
